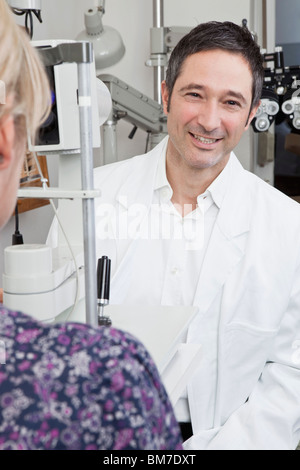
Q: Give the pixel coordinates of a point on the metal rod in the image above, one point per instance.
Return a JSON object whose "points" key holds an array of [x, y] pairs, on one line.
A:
{"points": [[158, 13], [110, 146], [89, 233], [159, 76], [159, 73], [264, 24]]}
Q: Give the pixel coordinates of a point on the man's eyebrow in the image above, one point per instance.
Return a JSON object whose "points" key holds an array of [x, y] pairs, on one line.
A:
{"points": [[196, 86], [237, 95], [191, 86]]}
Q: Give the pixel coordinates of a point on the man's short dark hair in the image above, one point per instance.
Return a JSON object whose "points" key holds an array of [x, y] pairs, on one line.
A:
{"points": [[216, 35]]}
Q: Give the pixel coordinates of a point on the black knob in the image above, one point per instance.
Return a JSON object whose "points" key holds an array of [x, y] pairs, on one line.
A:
{"points": [[103, 279]]}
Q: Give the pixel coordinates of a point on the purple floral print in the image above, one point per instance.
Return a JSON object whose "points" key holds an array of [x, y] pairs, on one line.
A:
{"points": [[69, 386]]}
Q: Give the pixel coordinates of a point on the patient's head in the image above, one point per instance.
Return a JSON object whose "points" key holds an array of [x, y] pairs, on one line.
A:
{"points": [[24, 104]]}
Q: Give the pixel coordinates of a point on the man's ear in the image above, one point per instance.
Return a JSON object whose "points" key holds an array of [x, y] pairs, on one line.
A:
{"points": [[165, 97], [7, 139]]}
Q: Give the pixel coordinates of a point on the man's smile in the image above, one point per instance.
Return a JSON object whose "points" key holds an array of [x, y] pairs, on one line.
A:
{"points": [[203, 139]]}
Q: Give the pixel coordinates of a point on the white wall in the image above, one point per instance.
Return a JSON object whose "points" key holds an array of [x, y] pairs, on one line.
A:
{"points": [[63, 19]]}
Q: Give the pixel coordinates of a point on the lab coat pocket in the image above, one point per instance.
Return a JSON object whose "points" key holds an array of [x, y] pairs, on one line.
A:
{"points": [[246, 351]]}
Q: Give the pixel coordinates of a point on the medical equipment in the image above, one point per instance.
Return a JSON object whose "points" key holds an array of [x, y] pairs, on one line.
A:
{"points": [[291, 105], [134, 107], [25, 4], [60, 133], [266, 112], [280, 96], [103, 289], [107, 42], [28, 8], [50, 290]]}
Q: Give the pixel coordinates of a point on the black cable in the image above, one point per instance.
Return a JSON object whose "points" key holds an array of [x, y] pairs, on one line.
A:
{"points": [[28, 18], [37, 13], [18, 12]]}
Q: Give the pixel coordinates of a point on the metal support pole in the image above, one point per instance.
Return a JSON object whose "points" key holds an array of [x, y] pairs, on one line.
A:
{"points": [[158, 13], [110, 151], [85, 115], [159, 72]]}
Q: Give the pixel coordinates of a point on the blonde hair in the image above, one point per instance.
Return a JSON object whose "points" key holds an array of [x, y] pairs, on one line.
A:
{"points": [[27, 94]]}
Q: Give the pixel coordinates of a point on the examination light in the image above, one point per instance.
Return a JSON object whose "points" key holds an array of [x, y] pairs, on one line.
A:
{"points": [[107, 42]]}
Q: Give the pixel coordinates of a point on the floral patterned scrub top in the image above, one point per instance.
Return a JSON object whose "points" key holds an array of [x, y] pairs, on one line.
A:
{"points": [[70, 386]]}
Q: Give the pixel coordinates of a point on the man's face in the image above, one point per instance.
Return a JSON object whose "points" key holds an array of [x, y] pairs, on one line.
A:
{"points": [[209, 109]]}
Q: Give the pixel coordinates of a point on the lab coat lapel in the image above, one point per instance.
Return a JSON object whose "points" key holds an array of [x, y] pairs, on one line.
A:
{"points": [[227, 244]]}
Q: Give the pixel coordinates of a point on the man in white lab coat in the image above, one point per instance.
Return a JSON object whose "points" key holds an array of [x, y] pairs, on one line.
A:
{"points": [[186, 225]]}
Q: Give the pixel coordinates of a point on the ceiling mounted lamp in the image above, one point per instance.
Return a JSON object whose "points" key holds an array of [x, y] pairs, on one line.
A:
{"points": [[107, 42]]}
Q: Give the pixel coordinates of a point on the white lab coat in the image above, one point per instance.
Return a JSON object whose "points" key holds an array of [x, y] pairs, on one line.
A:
{"points": [[251, 274]]}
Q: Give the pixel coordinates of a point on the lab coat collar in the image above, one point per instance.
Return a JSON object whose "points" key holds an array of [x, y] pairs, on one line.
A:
{"points": [[161, 180], [236, 207], [139, 186], [219, 186]]}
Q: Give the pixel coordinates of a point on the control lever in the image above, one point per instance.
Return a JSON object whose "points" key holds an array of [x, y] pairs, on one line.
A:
{"points": [[103, 288]]}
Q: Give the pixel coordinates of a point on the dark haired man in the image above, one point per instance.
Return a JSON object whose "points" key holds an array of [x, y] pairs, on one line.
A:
{"points": [[187, 225]]}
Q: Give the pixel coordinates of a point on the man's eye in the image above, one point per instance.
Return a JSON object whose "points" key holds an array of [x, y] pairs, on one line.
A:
{"points": [[194, 95], [233, 103]]}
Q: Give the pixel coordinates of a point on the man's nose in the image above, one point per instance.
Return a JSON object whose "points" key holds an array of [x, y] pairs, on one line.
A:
{"points": [[209, 116]]}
